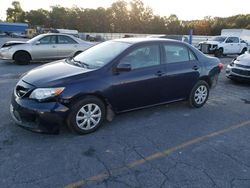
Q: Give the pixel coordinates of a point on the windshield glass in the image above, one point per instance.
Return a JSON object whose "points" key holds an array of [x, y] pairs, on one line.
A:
{"points": [[219, 39], [101, 54], [34, 39]]}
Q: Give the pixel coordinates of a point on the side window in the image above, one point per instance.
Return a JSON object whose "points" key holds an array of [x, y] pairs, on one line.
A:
{"points": [[48, 40], [235, 39], [232, 40], [177, 53], [141, 57], [65, 40]]}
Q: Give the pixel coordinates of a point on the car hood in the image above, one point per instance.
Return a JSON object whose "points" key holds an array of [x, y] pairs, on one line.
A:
{"points": [[51, 74], [210, 42], [13, 43], [243, 59]]}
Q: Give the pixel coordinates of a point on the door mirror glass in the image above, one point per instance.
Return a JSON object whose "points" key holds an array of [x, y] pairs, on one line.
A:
{"points": [[37, 42], [123, 67]]}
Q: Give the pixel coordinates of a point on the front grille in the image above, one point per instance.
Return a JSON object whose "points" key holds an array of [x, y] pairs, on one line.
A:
{"points": [[21, 91], [243, 66], [241, 72], [205, 48]]}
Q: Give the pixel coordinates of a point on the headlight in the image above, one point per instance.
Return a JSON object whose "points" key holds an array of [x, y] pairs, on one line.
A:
{"points": [[232, 63], [5, 48], [44, 93]]}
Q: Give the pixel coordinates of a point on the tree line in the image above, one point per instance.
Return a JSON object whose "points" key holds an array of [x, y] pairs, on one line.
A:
{"points": [[121, 17]]}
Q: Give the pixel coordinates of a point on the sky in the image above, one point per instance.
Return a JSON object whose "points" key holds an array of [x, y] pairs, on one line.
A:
{"points": [[184, 9]]}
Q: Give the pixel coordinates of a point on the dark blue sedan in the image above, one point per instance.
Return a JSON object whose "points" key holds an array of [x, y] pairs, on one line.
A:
{"points": [[112, 77]]}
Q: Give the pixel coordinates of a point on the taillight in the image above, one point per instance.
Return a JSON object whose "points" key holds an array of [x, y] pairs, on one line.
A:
{"points": [[221, 66]]}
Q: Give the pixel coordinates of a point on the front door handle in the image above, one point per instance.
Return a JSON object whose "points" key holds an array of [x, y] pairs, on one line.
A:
{"points": [[53, 46], [195, 67], [159, 73]]}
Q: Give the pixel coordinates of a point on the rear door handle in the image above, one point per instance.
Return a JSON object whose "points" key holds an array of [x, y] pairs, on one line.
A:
{"points": [[159, 73], [195, 67], [53, 46]]}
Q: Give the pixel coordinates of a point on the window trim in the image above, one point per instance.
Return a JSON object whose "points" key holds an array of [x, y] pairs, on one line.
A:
{"points": [[164, 58], [134, 47], [65, 36], [50, 40]]}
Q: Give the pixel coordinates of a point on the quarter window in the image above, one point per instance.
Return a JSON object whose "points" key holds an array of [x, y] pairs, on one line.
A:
{"points": [[65, 40], [141, 57], [177, 53]]}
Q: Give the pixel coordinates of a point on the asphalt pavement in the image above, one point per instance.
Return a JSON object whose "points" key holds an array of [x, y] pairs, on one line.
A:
{"points": [[166, 146]]}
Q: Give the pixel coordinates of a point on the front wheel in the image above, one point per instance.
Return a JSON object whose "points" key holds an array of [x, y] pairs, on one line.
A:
{"points": [[199, 94], [22, 58], [86, 116], [218, 52]]}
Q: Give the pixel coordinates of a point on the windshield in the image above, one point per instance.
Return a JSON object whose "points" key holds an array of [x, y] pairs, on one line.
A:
{"points": [[219, 39], [34, 39], [101, 54]]}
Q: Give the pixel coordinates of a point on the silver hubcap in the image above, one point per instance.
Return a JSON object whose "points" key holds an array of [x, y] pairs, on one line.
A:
{"points": [[200, 94], [88, 116]]}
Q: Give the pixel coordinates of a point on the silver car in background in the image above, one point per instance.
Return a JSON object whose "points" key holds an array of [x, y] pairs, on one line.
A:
{"points": [[43, 47], [239, 68]]}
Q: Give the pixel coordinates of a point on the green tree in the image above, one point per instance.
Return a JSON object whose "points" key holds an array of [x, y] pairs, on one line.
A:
{"points": [[16, 13], [58, 17], [173, 24], [119, 17], [38, 17]]}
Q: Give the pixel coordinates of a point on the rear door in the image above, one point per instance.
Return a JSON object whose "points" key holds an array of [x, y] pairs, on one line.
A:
{"points": [[46, 48], [182, 70], [67, 46], [142, 86]]}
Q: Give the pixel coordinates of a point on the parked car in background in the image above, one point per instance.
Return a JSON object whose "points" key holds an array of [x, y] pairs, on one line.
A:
{"points": [[43, 47], [223, 45], [239, 68], [114, 76]]}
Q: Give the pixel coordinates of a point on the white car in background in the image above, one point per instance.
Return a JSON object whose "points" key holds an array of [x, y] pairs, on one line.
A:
{"points": [[43, 47], [223, 45]]}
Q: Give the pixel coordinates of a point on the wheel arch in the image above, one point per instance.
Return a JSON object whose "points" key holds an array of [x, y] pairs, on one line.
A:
{"points": [[109, 109], [21, 51], [207, 80]]}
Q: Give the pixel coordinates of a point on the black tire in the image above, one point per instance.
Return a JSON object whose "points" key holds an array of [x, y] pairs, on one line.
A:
{"points": [[22, 58], [243, 51], [77, 53], [218, 52], [75, 111], [200, 85]]}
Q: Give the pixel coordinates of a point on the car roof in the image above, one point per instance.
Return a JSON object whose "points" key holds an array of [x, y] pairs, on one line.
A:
{"points": [[141, 40], [47, 34]]}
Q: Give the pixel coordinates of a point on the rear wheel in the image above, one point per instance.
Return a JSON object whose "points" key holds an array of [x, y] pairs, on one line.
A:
{"points": [[87, 115], [22, 58], [199, 94]]}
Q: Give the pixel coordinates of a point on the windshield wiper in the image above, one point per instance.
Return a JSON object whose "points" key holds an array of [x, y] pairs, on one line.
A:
{"points": [[80, 63]]}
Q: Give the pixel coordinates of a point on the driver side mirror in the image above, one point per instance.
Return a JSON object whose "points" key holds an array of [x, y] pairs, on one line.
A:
{"points": [[123, 67], [37, 42]]}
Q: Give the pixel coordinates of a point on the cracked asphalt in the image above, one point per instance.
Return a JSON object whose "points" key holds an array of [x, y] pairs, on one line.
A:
{"points": [[129, 151]]}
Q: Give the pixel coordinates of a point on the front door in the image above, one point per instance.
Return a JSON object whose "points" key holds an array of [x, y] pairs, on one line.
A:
{"points": [[232, 45], [46, 48], [142, 85]]}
